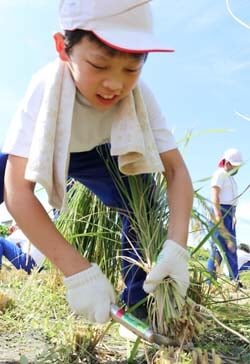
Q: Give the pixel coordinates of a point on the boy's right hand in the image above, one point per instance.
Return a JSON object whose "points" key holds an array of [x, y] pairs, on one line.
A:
{"points": [[90, 294], [171, 262]]}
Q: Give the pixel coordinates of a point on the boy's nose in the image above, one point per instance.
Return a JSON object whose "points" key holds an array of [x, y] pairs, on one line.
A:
{"points": [[112, 84]]}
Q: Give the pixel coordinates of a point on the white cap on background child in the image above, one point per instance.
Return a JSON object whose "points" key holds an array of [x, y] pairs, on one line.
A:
{"points": [[232, 156], [125, 25]]}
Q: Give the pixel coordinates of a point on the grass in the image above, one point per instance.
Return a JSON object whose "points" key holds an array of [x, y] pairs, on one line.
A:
{"points": [[37, 327]]}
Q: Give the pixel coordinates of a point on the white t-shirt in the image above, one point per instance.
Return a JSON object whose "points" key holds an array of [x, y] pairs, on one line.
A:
{"points": [[18, 237], [228, 187], [90, 127], [243, 257]]}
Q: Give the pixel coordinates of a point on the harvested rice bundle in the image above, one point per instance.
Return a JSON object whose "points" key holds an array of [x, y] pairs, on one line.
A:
{"points": [[180, 320], [170, 314]]}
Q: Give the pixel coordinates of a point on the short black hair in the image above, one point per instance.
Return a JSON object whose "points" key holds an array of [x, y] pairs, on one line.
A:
{"points": [[72, 37]]}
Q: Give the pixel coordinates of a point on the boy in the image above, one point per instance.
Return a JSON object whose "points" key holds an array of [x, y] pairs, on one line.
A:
{"points": [[102, 52]]}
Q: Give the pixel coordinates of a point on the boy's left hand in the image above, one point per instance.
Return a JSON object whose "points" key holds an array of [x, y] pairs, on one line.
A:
{"points": [[172, 262]]}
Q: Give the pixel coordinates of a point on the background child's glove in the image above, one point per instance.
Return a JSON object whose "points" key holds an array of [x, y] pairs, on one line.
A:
{"points": [[90, 294], [171, 262]]}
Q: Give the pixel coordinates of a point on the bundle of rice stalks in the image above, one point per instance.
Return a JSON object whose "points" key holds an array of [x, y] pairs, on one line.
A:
{"points": [[180, 320], [95, 231], [169, 313]]}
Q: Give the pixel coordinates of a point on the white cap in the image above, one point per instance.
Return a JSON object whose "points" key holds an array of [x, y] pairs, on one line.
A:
{"points": [[233, 156], [125, 25]]}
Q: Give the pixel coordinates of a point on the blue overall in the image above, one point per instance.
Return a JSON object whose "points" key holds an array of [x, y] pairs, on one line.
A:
{"points": [[90, 168], [228, 213], [245, 266], [15, 255]]}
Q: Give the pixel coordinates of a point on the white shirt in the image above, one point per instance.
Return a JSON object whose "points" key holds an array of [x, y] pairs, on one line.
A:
{"points": [[243, 257], [228, 187], [90, 127]]}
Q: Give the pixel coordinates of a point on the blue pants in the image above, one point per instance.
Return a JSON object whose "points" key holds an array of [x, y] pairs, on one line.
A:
{"points": [[228, 213], [15, 255], [90, 168], [245, 266]]}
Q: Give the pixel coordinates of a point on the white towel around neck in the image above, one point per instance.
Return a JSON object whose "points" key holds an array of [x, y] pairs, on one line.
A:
{"points": [[131, 136]]}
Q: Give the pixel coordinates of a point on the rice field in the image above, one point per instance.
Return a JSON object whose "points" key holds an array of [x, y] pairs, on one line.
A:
{"points": [[36, 325]]}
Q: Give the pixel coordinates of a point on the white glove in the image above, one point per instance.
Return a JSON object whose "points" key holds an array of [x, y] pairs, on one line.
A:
{"points": [[90, 294], [173, 262]]}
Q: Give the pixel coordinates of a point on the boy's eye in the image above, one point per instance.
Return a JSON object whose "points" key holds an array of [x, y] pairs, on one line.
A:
{"points": [[96, 66], [133, 70]]}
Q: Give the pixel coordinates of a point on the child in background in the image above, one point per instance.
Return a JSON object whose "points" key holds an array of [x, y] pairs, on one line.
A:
{"points": [[84, 110], [224, 196], [19, 251]]}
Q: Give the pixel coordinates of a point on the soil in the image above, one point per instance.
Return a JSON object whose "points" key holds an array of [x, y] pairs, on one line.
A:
{"points": [[14, 346]]}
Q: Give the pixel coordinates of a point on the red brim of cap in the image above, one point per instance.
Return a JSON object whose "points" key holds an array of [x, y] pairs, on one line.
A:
{"points": [[221, 163], [135, 46], [235, 164]]}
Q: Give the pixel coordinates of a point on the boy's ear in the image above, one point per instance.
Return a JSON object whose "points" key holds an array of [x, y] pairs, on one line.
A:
{"points": [[60, 46]]}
